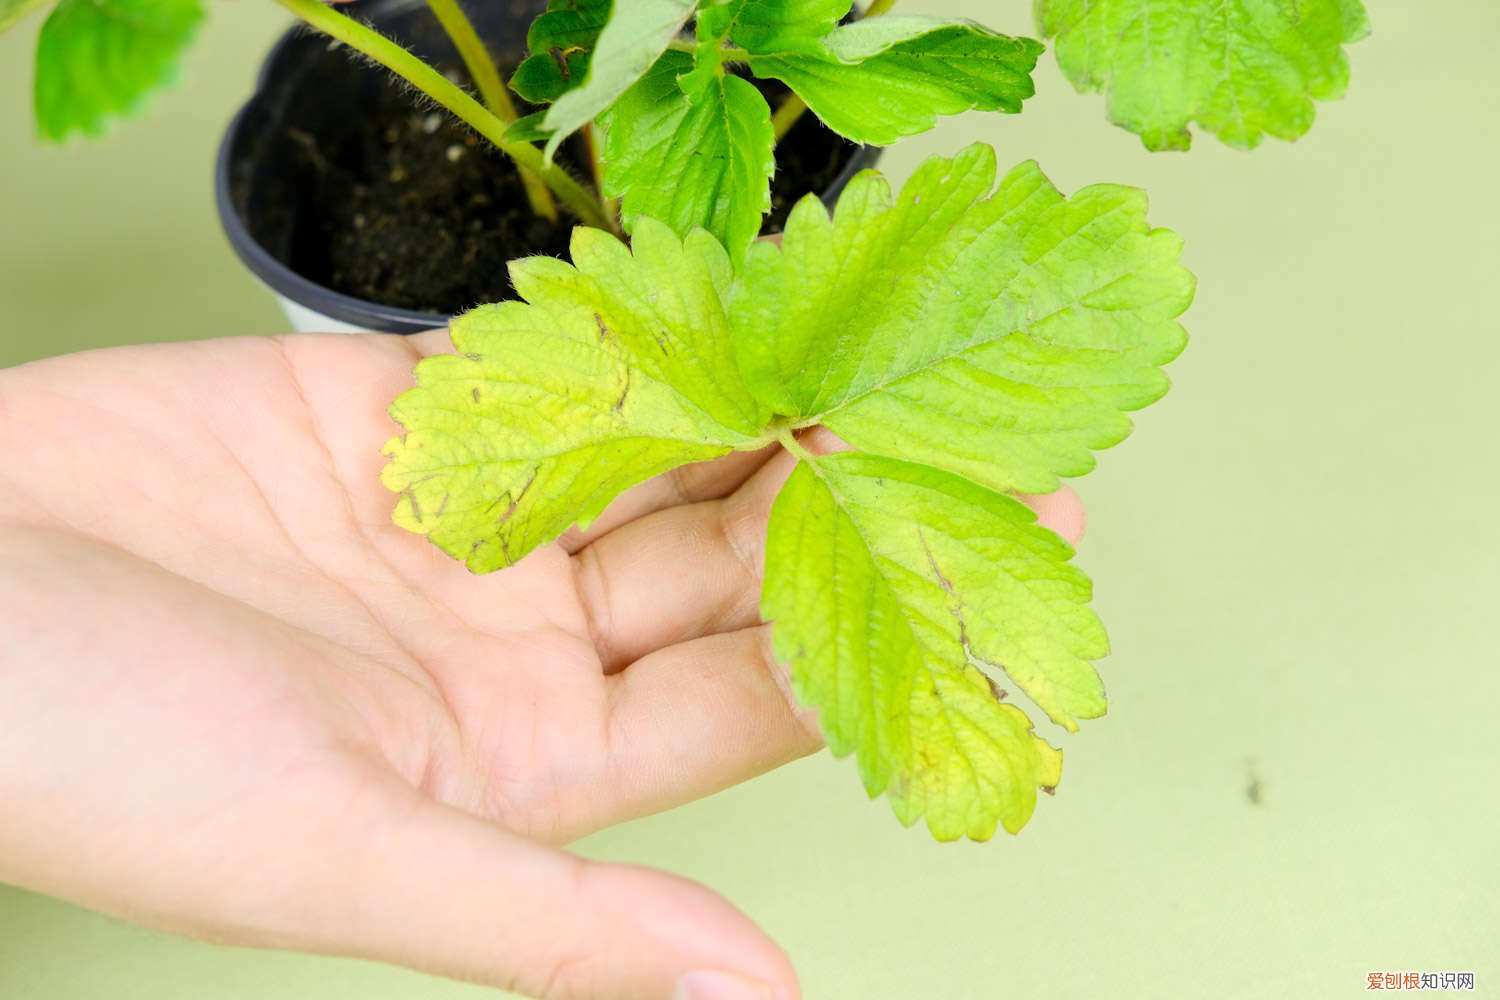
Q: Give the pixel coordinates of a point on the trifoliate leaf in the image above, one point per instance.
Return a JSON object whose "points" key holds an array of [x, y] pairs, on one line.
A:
{"points": [[637, 34], [560, 42], [612, 371], [12, 11], [968, 340], [714, 129], [98, 58], [893, 588], [1241, 69], [1002, 337], [877, 80]]}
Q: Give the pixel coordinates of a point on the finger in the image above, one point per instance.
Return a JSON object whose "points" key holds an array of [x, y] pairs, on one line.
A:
{"points": [[685, 484], [443, 891], [696, 718], [681, 573], [429, 342], [1062, 511], [696, 570]]}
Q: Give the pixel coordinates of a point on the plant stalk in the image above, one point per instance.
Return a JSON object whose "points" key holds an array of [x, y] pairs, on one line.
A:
{"points": [[487, 78], [788, 114], [438, 87], [595, 143], [793, 108], [788, 439]]}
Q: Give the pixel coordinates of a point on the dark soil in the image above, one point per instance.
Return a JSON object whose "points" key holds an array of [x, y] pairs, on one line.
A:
{"points": [[809, 159], [412, 209], [396, 203]]}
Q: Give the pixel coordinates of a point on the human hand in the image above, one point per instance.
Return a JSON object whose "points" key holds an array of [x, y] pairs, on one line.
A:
{"points": [[237, 703]]}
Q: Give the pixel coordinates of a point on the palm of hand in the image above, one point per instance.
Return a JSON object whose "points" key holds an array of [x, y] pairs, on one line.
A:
{"points": [[310, 670], [330, 734]]}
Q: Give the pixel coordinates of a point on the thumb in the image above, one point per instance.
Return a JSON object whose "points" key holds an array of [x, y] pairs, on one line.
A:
{"points": [[443, 891]]}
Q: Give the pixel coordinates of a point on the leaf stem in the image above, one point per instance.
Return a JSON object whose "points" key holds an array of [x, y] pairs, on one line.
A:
{"points": [[436, 86], [789, 441], [594, 141], [486, 76], [793, 108]]}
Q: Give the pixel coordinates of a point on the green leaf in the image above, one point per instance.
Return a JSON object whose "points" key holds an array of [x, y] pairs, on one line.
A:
{"points": [[527, 128], [1014, 330], [612, 371], [12, 11], [877, 80], [560, 42], [98, 58], [1241, 69], [774, 25], [968, 339], [637, 34], [700, 158], [893, 588]]}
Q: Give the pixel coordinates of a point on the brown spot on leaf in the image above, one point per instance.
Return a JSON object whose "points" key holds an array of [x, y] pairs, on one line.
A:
{"points": [[560, 56], [516, 501], [620, 403], [941, 579]]}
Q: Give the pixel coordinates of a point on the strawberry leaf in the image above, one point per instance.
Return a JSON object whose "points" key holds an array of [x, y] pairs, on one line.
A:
{"points": [[99, 58], [967, 339], [630, 44], [1242, 70], [877, 80]]}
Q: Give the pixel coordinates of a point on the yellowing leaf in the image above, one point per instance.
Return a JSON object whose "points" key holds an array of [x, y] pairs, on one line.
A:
{"points": [[1013, 326], [967, 338], [893, 588], [615, 371]]}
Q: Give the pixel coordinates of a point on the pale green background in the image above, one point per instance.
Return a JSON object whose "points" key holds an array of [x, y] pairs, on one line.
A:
{"points": [[1297, 556]]}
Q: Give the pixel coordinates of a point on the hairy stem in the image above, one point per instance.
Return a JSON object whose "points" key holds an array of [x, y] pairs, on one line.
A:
{"points": [[793, 108], [487, 78], [436, 86]]}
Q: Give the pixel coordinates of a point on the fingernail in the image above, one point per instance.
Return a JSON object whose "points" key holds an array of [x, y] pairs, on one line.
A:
{"points": [[708, 985]]}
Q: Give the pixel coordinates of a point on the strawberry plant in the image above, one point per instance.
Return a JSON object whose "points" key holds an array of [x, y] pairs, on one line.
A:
{"points": [[974, 336]]}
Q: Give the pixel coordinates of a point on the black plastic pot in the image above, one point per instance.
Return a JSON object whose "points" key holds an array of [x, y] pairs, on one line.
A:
{"points": [[309, 88]]}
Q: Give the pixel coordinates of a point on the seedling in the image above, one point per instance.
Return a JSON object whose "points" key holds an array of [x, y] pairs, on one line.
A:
{"points": [[971, 337]]}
